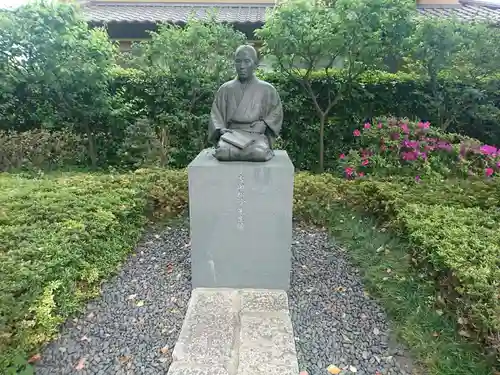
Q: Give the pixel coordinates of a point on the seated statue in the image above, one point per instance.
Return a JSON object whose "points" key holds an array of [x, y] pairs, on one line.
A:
{"points": [[246, 115]]}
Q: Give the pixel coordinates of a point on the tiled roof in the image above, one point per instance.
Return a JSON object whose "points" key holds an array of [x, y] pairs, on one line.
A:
{"points": [[245, 13], [466, 12], [176, 13]]}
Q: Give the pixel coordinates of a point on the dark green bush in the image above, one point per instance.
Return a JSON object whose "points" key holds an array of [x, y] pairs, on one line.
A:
{"points": [[375, 94], [40, 149]]}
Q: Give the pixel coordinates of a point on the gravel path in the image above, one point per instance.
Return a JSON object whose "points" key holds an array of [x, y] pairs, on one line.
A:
{"points": [[133, 327], [335, 322]]}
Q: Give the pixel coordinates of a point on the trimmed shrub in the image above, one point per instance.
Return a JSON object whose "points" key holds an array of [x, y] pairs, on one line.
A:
{"points": [[375, 94], [391, 147], [452, 227], [58, 238], [40, 149]]}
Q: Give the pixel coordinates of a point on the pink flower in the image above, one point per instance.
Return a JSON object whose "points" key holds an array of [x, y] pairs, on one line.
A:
{"points": [[365, 162], [417, 178], [342, 156], [361, 174], [349, 171], [356, 133], [498, 164], [489, 172], [367, 125], [395, 136], [424, 125], [423, 155], [409, 155], [379, 125], [405, 129], [488, 150]]}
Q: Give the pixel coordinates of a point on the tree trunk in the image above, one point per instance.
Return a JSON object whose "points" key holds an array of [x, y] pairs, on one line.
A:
{"points": [[91, 146], [321, 166]]}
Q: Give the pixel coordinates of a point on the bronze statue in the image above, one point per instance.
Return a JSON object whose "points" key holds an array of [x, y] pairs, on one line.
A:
{"points": [[246, 115]]}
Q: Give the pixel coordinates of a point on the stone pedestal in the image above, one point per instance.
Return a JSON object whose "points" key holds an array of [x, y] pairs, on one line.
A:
{"points": [[241, 222]]}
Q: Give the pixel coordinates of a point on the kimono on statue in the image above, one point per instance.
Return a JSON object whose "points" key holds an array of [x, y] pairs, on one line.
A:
{"points": [[238, 106]]}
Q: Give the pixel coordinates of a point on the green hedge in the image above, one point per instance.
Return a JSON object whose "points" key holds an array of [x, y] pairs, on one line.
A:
{"points": [[453, 229], [122, 137], [58, 238], [375, 94]]}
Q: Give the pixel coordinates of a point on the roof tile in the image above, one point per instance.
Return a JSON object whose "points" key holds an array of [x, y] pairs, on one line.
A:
{"points": [[464, 12], [168, 12], [243, 13]]}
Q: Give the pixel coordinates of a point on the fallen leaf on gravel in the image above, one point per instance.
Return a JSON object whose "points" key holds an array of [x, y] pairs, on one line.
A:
{"points": [[124, 358], [85, 338], [139, 303], [132, 296], [303, 373], [340, 289], [353, 369], [157, 236], [35, 358], [81, 364], [170, 268], [334, 370], [164, 350], [376, 331]]}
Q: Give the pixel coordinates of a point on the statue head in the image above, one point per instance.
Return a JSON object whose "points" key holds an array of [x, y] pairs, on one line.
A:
{"points": [[245, 61]]}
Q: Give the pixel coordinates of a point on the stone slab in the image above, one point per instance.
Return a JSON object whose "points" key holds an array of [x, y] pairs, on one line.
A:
{"points": [[263, 300], [241, 222], [178, 368], [208, 331], [236, 332], [267, 345]]}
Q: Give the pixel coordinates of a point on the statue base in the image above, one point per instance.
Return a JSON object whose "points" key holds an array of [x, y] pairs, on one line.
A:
{"points": [[241, 222]]}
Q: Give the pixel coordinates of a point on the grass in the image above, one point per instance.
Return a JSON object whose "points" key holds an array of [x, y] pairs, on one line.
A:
{"points": [[408, 299]]}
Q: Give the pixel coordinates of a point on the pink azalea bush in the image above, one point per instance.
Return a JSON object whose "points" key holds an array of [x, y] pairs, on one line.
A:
{"points": [[400, 147]]}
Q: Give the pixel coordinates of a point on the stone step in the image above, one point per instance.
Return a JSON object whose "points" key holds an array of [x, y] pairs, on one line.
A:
{"points": [[236, 332]]}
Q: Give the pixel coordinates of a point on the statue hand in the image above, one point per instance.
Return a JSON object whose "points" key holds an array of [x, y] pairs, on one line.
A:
{"points": [[259, 127]]}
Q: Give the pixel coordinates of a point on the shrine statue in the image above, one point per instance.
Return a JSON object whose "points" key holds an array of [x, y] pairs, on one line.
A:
{"points": [[246, 115]]}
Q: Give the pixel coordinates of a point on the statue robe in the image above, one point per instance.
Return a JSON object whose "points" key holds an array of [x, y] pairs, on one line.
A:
{"points": [[236, 106]]}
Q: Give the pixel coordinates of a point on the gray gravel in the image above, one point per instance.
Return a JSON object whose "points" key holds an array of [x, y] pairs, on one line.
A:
{"points": [[335, 322], [133, 327], [115, 335]]}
